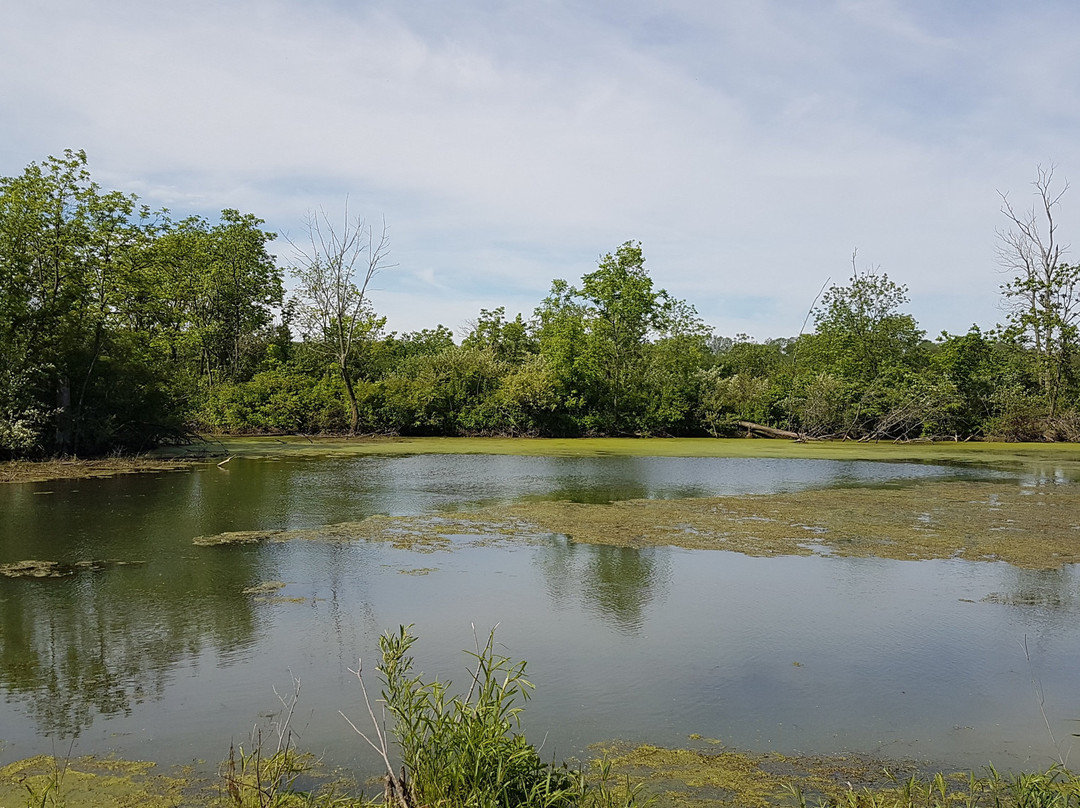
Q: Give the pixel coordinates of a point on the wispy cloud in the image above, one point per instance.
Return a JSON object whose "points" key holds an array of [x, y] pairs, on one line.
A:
{"points": [[750, 147]]}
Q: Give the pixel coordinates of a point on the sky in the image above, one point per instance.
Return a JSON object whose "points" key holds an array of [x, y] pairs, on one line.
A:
{"points": [[751, 147]]}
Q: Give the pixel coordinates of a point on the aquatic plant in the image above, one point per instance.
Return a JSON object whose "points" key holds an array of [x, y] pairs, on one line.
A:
{"points": [[467, 750]]}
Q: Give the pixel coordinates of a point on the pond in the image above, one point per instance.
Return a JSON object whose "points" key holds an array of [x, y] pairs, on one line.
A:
{"points": [[155, 651]]}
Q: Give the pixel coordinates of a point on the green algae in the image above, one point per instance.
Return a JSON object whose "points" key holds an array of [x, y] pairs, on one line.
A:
{"points": [[90, 781], [1027, 527], [688, 778], [696, 778], [34, 568], [1035, 527], [980, 453], [32, 471], [264, 588], [426, 534]]}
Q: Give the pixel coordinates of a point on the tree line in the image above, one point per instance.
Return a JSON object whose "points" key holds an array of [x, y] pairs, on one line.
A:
{"points": [[122, 328]]}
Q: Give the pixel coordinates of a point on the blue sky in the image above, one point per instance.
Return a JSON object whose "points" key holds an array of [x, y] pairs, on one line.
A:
{"points": [[750, 146]]}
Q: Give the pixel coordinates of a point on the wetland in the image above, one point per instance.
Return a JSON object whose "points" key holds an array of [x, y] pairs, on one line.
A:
{"points": [[795, 601]]}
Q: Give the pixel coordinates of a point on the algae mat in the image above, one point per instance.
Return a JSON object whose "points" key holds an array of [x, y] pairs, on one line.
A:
{"points": [[981, 453], [89, 781], [1033, 526]]}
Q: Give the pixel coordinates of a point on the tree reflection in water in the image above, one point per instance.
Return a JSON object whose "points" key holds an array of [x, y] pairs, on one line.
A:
{"points": [[99, 643], [615, 583]]}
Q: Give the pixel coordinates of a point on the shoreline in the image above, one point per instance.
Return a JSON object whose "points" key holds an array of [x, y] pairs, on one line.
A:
{"points": [[43, 471], [217, 447]]}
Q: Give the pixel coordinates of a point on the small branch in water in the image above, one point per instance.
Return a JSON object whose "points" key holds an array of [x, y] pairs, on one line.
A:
{"points": [[1041, 699], [226, 460]]}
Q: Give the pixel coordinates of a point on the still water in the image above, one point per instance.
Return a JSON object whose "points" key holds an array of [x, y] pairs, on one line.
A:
{"points": [[167, 659]]}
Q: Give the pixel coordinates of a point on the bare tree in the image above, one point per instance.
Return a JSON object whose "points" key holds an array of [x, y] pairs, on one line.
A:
{"points": [[1043, 297], [334, 273]]}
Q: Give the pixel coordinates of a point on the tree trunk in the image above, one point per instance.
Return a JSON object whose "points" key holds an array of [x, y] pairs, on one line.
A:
{"points": [[354, 410], [771, 432], [63, 415]]}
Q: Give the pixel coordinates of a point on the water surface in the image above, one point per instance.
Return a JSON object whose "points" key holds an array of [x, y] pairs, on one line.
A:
{"points": [[167, 659]]}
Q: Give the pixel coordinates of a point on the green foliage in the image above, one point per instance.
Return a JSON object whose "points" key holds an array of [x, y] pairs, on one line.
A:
{"points": [[466, 750], [277, 401], [621, 309], [121, 328], [331, 294], [511, 341], [1043, 295], [625, 355], [528, 399], [209, 291], [110, 317], [727, 399], [443, 393], [860, 330], [825, 403]]}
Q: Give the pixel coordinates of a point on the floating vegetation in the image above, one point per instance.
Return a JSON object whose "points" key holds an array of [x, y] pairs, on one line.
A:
{"points": [[1046, 600], [280, 599], [975, 521], [1039, 530], [88, 781], [695, 778], [56, 569], [35, 471], [975, 452], [240, 537], [426, 534], [712, 776], [265, 588]]}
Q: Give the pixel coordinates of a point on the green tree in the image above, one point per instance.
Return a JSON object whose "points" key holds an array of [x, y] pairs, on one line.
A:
{"points": [[213, 292], [509, 340], [622, 311], [861, 330], [68, 259]]}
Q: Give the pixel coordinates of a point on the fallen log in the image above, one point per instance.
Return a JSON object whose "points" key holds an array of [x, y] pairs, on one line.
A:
{"points": [[771, 432]]}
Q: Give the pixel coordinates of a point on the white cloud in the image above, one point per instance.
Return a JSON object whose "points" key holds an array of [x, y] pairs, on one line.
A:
{"points": [[749, 147]]}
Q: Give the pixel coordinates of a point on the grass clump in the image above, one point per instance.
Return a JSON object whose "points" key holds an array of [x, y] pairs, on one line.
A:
{"points": [[468, 750]]}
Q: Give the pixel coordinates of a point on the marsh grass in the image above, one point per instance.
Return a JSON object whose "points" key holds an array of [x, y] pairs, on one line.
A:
{"points": [[262, 776]]}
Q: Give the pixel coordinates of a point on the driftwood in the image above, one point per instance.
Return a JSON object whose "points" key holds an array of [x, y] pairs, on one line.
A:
{"points": [[772, 432]]}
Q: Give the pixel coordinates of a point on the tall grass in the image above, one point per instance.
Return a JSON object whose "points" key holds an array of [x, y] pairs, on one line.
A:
{"points": [[468, 750]]}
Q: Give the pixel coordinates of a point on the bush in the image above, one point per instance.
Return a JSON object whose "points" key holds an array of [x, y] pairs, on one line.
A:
{"points": [[467, 751]]}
